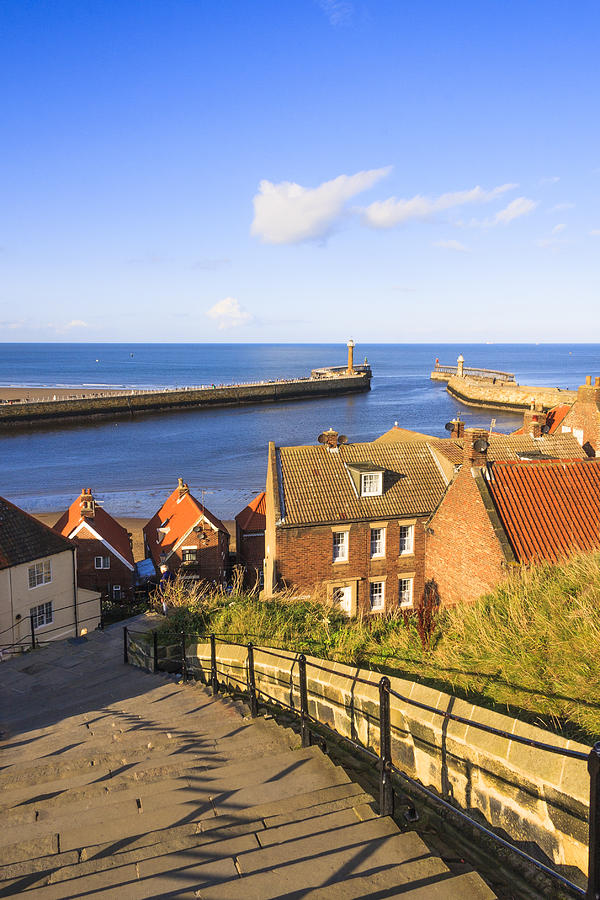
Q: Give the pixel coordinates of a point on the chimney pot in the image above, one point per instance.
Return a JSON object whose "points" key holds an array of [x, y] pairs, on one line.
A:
{"points": [[458, 428], [597, 381], [471, 455], [588, 379]]}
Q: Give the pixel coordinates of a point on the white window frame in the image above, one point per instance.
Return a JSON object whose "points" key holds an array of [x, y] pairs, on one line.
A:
{"points": [[378, 554], [403, 602], [117, 592], [39, 573], [381, 606], [340, 549], [186, 550], [42, 615], [343, 602], [411, 542], [104, 562], [375, 486]]}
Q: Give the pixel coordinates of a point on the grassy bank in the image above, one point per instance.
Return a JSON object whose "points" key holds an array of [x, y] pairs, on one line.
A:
{"points": [[531, 647]]}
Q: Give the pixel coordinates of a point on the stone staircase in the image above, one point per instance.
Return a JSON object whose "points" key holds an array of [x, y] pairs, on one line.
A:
{"points": [[117, 783]]}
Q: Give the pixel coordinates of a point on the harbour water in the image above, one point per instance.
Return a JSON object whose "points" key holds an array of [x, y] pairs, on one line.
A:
{"points": [[133, 464]]}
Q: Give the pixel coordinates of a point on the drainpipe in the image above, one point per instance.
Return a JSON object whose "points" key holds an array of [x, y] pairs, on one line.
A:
{"points": [[75, 592]]}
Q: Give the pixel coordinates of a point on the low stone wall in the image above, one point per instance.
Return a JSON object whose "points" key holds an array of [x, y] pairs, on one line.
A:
{"points": [[55, 411], [535, 797], [476, 392]]}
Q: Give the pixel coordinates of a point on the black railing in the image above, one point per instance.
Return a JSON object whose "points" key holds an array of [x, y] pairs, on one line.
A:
{"points": [[384, 758], [38, 634]]}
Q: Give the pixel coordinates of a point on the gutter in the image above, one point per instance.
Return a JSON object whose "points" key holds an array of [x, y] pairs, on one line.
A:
{"points": [[75, 592]]}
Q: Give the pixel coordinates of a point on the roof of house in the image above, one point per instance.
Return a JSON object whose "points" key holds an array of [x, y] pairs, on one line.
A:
{"points": [[179, 514], [316, 485], [101, 523], [548, 507], [513, 446], [253, 516], [554, 418], [24, 539]]}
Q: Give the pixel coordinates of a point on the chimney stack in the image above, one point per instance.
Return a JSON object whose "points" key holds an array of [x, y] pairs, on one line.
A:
{"points": [[87, 503], [588, 392], [350, 357], [475, 447], [182, 488], [329, 438], [458, 428], [534, 420]]}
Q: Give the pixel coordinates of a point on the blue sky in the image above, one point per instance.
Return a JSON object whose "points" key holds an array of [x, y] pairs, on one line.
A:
{"points": [[300, 170]]}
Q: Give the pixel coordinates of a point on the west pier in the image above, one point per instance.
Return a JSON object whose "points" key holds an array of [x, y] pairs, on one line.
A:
{"points": [[49, 412]]}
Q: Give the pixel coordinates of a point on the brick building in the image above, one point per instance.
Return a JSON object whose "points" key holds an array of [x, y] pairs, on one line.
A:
{"points": [[187, 538], [104, 551], [250, 526], [344, 522], [507, 505], [582, 418]]}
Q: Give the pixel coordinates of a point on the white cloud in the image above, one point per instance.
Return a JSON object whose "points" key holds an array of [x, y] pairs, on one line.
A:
{"points": [[76, 323], [551, 179], [559, 207], [339, 12], [558, 228], [595, 232], [287, 213], [228, 313], [515, 209], [391, 212], [452, 245]]}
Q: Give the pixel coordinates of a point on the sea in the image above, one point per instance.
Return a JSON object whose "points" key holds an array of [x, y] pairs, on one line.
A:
{"points": [[133, 464]]}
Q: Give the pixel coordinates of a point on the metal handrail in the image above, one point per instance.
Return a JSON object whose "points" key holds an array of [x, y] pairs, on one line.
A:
{"points": [[385, 764]]}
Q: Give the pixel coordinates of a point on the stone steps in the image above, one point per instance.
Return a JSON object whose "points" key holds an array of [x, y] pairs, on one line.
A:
{"points": [[144, 787]]}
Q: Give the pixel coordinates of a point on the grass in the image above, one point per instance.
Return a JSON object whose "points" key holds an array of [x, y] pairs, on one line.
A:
{"points": [[530, 648]]}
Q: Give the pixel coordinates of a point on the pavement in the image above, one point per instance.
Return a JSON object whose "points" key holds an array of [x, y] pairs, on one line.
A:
{"points": [[119, 783]]}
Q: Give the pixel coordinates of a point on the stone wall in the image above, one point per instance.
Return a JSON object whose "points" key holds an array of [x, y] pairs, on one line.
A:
{"points": [[475, 392], [536, 798], [83, 409]]}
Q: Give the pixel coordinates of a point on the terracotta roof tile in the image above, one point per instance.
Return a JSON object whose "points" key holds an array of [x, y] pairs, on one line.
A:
{"points": [[548, 507], [24, 539], [102, 523], [253, 516], [179, 514], [509, 446]]}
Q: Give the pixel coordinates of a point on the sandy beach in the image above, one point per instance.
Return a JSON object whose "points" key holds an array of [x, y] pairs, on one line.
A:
{"points": [[134, 526]]}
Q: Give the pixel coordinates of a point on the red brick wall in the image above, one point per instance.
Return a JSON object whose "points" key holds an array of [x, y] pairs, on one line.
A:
{"points": [[212, 556], [463, 555], [305, 560], [250, 548], [585, 416], [99, 579]]}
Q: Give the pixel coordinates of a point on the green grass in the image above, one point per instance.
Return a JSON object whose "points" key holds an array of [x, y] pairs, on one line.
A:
{"points": [[531, 648]]}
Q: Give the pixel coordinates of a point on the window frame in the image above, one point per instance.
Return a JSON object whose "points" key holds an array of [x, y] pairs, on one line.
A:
{"points": [[343, 541], [44, 610], [45, 567], [378, 476], [411, 580], [372, 584], [411, 531], [103, 560], [381, 553], [187, 550]]}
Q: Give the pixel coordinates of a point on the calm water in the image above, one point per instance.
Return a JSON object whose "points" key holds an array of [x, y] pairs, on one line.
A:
{"points": [[132, 465]]}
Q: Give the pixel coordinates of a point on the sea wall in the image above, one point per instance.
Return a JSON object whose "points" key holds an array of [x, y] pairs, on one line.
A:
{"points": [[476, 392], [51, 412], [534, 797]]}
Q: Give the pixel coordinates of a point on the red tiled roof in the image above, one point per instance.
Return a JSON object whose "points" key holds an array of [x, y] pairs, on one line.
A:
{"points": [[549, 508], [179, 514], [102, 523], [253, 516], [24, 539], [554, 418]]}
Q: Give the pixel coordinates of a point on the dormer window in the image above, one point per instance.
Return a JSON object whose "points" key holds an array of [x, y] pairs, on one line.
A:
{"points": [[371, 484]]}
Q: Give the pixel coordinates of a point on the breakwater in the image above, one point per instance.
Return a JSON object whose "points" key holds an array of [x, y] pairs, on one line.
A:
{"points": [[476, 392], [44, 413]]}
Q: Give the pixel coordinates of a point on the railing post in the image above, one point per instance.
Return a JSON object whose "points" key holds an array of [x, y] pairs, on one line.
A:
{"points": [[593, 887], [183, 660], [304, 732], [101, 616], [214, 680], [252, 682], [32, 626], [125, 653], [155, 651], [386, 793]]}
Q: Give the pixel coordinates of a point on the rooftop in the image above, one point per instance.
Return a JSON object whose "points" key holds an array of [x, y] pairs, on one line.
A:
{"points": [[97, 519], [24, 539], [177, 516]]}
